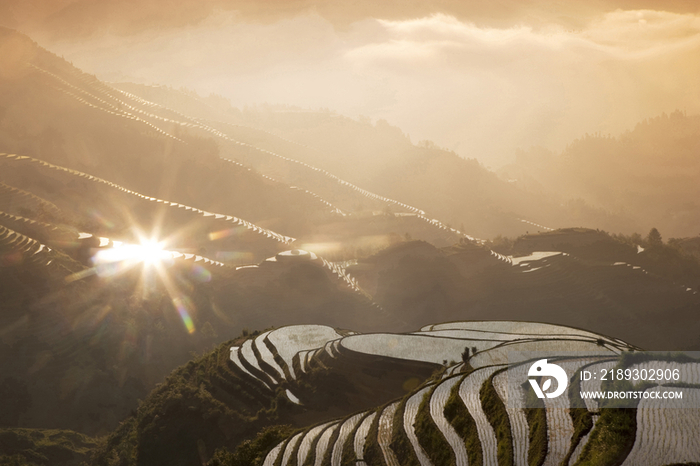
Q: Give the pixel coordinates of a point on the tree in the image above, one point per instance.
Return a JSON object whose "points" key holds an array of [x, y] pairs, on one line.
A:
{"points": [[208, 331], [654, 238]]}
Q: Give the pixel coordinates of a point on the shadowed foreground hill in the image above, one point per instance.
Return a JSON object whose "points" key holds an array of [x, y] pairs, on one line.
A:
{"points": [[79, 347], [235, 392], [467, 415], [35, 447], [591, 281], [435, 396]]}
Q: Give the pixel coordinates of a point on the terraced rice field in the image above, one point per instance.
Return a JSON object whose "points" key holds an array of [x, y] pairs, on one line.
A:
{"points": [[670, 441], [510, 352], [159, 119], [469, 393], [224, 218], [266, 356], [12, 199], [454, 370], [272, 456], [535, 256], [328, 348], [121, 107], [582, 443], [32, 252], [438, 400], [292, 397], [271, 354], [201, 124], [409, 418], [360, 438], [688, 372], [322, 445], [236, 358], [413, 347], [666, 435], [249, 356], [34, 229], [307, 441], [560, 427], [289, 448], [595, 384], [516, 416], [484, 340], [518, 330], [345, 429], [384, 434]]}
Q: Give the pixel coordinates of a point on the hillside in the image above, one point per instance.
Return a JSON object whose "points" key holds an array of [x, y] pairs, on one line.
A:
{"points": [[142, 228], [649, 173], [467, 416], [58, 114], [314, 387], [569, 277], [381, 158], [302, 376]]}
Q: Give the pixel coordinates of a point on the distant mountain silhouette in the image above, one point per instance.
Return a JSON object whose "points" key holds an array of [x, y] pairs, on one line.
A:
{"points": [[648, 173]]}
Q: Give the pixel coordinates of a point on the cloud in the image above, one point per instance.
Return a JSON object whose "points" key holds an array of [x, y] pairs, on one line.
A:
{"points": [[505, 87], [482, 89], [65, 19], [622, 34]]}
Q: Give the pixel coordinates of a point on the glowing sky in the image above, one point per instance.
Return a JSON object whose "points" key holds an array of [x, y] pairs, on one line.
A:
{"points": [[481, 80]]}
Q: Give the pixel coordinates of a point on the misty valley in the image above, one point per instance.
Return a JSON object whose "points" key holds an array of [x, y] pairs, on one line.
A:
{"points": [[184, 281]]}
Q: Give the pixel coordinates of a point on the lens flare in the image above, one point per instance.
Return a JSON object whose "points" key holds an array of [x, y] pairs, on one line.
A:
{"points": [[200, 274], [182, 304], [215, 235], [155, 263], [149, 252]]}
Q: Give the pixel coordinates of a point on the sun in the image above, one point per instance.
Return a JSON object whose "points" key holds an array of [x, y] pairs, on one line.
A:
{"points": [[151, 252], [147, 252], [156, 264]]}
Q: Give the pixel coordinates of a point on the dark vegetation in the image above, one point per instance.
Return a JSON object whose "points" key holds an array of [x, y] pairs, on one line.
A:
{"points": [[496, 413], [202, 407], [42, 447], [373, 454], [252, 452], [537, 425], [77, 362], [208, 408], [400, 443], [612, 437], [349, 457], [458, 416], [581, 418], [430, 437]]}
